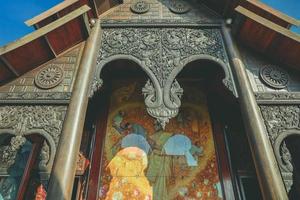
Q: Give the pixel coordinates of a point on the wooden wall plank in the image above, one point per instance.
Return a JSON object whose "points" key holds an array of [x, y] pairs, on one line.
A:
{"points": [[29, 55]]}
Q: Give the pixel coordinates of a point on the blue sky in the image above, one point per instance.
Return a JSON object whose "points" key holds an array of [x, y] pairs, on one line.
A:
{"points": [[289, 7], [15, 12]]}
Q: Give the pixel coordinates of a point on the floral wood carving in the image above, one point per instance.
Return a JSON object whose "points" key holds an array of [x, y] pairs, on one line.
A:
{"points": [[282, 121], [162, 53], [23, 120], [280, 118], [162, 50]]}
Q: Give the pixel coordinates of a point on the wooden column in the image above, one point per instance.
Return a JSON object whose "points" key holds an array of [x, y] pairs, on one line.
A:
{"points": [[64, 166], [271, 183]]}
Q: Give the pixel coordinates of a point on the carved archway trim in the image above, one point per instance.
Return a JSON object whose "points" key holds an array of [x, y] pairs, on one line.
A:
{"points": [[279, 140], [162, 53], [193, 58], [142, 65], [48, 138], [282, 153]]}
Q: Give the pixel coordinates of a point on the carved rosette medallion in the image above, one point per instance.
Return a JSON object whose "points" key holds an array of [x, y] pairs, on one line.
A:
{"points": [[140, 7], [179, 6], [49, 77], [274, 76]]}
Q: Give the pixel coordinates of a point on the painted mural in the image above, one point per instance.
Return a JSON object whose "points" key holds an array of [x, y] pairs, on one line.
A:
{"points": [[143, 162]]}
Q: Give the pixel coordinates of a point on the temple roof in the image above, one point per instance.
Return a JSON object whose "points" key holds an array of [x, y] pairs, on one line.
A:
{"points": [[67, 24]]}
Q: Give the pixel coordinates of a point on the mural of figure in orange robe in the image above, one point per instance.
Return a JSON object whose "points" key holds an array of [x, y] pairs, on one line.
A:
{"points": [[128, 177]]}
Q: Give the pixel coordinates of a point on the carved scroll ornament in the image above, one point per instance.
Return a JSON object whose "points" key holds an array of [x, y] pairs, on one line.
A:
{"points": [[162, 104]]}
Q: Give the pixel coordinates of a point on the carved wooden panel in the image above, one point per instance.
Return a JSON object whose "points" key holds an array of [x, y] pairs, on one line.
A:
{"points": [[281, 122], [162, 53], [46, 121]]}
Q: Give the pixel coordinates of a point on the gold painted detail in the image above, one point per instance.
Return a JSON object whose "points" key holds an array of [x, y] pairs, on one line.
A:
{"points": [[49, 77]]}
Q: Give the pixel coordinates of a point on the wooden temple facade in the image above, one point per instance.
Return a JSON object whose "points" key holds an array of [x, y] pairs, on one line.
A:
{"points": [[152, 99]]}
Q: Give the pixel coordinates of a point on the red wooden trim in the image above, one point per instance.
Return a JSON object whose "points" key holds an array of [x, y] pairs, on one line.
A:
{"points": [[221, 150], [101, 122], [223, 161], [36, 147]]}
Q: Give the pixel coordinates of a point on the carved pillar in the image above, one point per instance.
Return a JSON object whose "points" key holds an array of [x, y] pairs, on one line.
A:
{"points": [[64, 167], [271, 183]]}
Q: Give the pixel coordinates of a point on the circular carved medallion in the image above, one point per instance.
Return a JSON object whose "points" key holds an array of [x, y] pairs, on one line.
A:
{"points": [[179, 6], [49, 77], [274, 77], [140, 7]]}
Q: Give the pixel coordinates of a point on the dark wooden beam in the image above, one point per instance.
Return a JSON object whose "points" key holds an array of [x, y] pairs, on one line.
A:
{"points": [[9, 66], [50, 46], [35, 150], [267, 23]]}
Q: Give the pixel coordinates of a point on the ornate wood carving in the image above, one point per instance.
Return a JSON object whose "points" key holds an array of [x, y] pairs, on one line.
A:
{"points": [[162, 53], [35, 97], [8, 153], [159, 49], [278, 97], [44, 120], [95, 86], [282, 121], [162, 105], [112, 23]]}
